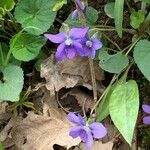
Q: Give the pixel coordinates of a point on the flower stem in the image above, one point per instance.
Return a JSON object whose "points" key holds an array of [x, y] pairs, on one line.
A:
{"points": [[93, 79]]}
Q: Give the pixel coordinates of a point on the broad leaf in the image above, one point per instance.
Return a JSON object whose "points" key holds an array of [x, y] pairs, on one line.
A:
{"points": [[13, 82], [91, 15], [118, 15], [136, 19], [142, 57], [109, 9], [27, 46], [123, 108], [113, 63], [36, 16]]}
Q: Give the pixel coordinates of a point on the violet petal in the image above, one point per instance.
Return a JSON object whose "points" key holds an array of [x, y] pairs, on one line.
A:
{"points": [[92, 53], [56, 38], [146, 120], [96, 44], [60, 53], [146, 108], [80, 4], [74, 118], [74, 14], [71, 52], [75, 132], [83, 135], [89, 140], [98, 130], [76, 33], [79, 49]]}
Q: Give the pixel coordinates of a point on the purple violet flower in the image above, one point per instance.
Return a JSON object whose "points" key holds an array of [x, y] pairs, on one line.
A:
{"points": [[82, 7], [146, 109], [70, 45], [87, 132], [91, 45]]}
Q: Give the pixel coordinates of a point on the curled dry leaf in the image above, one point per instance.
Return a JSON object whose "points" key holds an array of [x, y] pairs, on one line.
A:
{"points": [[42, 132], [68, 73], [83, 99], [98, 145]]}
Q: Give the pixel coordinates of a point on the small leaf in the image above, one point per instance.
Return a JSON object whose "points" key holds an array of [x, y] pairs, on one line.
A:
{"points": [[7, 5], [59, 4], [36, 16], [13, 82], [109, 9], [26, 46], [91, 15], [136, 19], [118, 15], [142, 57], [113, 63], [123, 108]]}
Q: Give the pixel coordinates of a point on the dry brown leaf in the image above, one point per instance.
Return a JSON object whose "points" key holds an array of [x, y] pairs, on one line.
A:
{"points": [[68, 73], [41, 133], [98, 145], [82, 98]]}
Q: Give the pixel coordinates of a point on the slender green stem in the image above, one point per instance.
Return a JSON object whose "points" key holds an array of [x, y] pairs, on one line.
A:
{"points": [[131, 31], [132, 46], [143, 6], [1, 54], [93, 79], [104, 93], [115, 44], [127, 3]]}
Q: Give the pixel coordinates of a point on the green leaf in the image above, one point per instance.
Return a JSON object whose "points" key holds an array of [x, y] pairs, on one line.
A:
{"points": [[26, 46], [118, 15], [7, 5], [1, 146], [146, 1], [142, 57], [13, 82], [91, 15], [102, 110], [36, 16], [109, 9], [123, 108], [136, 19], [59, 4], [113, 63]]}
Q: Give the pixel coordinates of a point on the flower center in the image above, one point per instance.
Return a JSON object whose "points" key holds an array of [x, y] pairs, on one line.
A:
{"points": [[89, 44], [86, 128], [68, 42]]}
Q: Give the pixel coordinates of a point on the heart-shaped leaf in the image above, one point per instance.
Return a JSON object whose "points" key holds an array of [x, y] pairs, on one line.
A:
{"points": [[113, 63], [26, 47], [36, 16], [11, 84], [142, 57], [123, 108], [109, 9], [136, 19], [7, 4]]}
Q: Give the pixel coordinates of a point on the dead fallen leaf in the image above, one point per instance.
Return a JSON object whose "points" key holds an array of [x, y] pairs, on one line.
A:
{"points": [[98, 145], [83, 99], [42, 132], [68, 73]]}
